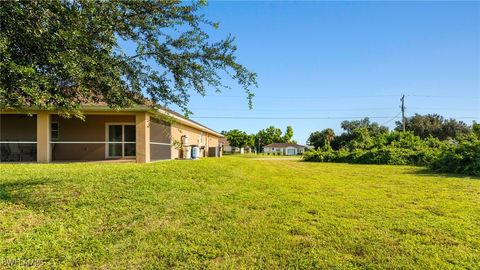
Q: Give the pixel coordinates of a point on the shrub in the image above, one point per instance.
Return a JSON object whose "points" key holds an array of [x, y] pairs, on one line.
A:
{"points": [[394, 148], [405, 148], [462, 158], [324, 154]]}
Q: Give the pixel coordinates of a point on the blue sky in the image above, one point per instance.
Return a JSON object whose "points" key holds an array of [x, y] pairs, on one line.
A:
{"points": [[346, 59]]}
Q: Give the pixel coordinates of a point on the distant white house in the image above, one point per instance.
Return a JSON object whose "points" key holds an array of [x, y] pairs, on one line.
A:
{"points": [[227, 148], [287, 149]]}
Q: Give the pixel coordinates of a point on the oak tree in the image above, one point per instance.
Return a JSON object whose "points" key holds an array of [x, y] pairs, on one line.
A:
{"points": [[62, 54]]}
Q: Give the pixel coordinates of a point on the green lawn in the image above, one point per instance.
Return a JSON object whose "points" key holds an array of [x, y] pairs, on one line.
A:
{"points": [[237, 212]]}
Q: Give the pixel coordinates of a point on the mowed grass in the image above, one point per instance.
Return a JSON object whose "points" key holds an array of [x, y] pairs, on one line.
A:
{"points": [[238, 213]]}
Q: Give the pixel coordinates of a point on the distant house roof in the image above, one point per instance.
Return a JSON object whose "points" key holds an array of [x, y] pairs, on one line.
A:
{"points": [[283, 145]]}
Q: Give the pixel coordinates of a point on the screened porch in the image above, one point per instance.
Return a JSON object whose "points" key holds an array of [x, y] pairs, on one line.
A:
{"points": [[48, 137]]}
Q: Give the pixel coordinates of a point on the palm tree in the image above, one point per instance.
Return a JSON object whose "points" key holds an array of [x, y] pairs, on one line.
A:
{"points": [[328, 135]]}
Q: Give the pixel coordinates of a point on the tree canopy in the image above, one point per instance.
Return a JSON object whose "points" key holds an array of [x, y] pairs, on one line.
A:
{"points": [[475, 129], [267, 136], [62, 54], [287, 138], [273, 134], [372, 127], [319, 139], [237, 138], [364, 134], [434, 125]]}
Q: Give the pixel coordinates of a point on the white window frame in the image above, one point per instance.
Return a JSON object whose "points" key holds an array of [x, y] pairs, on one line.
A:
{"points": [[123, 142]]}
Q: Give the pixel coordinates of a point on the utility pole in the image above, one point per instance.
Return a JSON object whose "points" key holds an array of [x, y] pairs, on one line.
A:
{"points": [[259, 139], [403, 111]]}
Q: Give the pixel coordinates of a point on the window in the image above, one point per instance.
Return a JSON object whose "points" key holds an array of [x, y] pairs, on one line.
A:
{"points": [[54, 131], [121, 140]]}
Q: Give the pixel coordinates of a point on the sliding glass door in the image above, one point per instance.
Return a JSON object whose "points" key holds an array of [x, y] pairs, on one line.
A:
{"points": [[120, 140]]}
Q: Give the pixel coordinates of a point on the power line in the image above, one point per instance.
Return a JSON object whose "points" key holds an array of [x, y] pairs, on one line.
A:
{"points": [[294, 110], [432, 96], [340, 97], [324, 110], [306, 118], [299, 97], [402, 107], [393, 118], [288, 117], [390, 118]]}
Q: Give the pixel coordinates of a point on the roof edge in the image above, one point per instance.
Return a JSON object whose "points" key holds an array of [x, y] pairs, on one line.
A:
{"points": [[136, 108], [189, 122]]}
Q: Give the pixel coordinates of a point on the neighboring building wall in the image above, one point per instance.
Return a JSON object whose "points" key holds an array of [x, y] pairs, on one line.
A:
{"points": [[160, 142], [288, 151], [233, 150], [283, 150], [93, 129], [272, 150]]}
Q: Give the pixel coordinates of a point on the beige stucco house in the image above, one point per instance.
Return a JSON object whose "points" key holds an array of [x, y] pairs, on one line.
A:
{"points": [[137, 134]]}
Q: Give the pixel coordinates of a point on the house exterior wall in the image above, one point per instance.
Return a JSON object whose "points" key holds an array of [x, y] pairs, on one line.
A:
{"points": [[85, 140], [44, 153], [142, 137], [212, 141], [93, 129], [178, 130], [194, 137]]}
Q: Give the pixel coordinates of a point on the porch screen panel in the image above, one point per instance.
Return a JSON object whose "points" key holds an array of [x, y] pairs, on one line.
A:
{"points": [[159, 152], [129, 138], [115, 140], [18, 137], [160, 136], [89, 139]]}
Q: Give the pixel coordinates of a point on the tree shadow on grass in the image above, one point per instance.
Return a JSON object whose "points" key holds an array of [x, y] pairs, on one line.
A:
{"points": [[22, 192], [432, 173]]}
